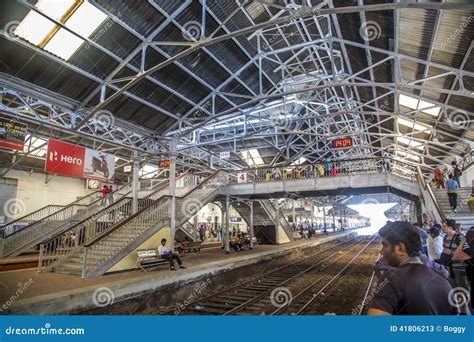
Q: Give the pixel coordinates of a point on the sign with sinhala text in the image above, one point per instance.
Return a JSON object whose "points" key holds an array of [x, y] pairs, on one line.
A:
{"points": [[12, 134], [164, 163]]}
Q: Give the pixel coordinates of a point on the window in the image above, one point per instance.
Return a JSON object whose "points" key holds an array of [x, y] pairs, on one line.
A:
{"points": [[252, 157], [79, 16], [414, 103], [35, 143]]}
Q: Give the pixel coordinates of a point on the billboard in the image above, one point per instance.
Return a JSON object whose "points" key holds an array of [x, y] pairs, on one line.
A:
{"points": [[12, 134], [76, 161]]}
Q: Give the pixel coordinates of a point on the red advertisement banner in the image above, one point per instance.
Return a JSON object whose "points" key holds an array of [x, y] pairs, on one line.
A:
{"points": [[65, 159], [12, 134]]}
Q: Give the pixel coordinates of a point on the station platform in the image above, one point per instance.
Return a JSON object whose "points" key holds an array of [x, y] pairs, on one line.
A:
{"points": [[53, 293]]}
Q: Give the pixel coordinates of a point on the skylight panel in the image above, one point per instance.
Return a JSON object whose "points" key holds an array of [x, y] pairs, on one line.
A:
{"points": [[299, 161], [411, 143], [416, 104], [252, 157], [413, 125], [64, 44], [34, 28], [85, 20]]}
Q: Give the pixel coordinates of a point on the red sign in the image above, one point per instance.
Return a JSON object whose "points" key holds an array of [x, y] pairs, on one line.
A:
{"points": [[344, 142], [164, 163], [12, 135], [65, 159]]}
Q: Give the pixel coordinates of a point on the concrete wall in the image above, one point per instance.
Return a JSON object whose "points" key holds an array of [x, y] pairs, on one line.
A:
{"points": [[34, 193], [282, 236], [130, 261]]}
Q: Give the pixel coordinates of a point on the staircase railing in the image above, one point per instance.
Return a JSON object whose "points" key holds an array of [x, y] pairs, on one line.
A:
{"points": [[23, 222], [429, 199], [65, 243], [271, 210], [154, 216]]}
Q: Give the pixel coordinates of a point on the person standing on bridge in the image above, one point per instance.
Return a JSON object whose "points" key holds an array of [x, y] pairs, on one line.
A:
{"points": [[452, 193], [104, 195]]}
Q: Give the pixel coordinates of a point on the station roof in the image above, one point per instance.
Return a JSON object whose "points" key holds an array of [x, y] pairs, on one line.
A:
{"points": [[270, 81]]}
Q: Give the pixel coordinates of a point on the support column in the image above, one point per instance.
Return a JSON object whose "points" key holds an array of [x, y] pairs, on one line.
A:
{"points": [[294, 211], [277, 221], [251, 224], [312, 213], [324, 217], [172, 193], [135, 181], [227, 223], [333, 219]]}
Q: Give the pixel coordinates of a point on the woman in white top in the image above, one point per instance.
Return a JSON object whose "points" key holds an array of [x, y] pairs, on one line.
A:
{"points": [[435, 242]]}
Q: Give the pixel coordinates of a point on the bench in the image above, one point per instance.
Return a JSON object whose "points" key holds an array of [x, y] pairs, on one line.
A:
{"points": [[192, 247], [149, 257]]}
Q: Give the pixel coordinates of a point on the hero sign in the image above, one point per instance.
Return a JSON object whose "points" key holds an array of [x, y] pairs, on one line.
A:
{"points": [[65, 159]]}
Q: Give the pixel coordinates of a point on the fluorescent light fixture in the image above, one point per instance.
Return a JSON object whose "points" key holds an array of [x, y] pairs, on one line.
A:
{"points": [[414, 103], [411, 143], [252, 157], [413, 125], [84, 21]]}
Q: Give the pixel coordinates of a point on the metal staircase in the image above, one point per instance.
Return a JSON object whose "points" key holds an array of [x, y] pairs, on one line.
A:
{"points": [[97, 256], [65, 244], [463, 215]]}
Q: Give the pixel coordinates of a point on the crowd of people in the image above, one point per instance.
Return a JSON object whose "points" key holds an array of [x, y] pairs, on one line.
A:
{"points": [[425, 270], [107, 196]]}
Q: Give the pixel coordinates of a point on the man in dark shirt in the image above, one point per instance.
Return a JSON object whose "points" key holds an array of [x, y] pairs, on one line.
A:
{"points": [[412, 288]]}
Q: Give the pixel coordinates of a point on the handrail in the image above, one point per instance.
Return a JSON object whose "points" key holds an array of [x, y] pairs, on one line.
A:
{"points": [[69, 206], [164, 186], [430, 192], [30, 214], [128, 219]]}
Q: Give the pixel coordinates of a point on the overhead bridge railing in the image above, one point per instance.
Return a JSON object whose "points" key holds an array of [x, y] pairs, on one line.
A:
{"points": [[431, 204], [153, 217], [325, 169], [62, 244]]}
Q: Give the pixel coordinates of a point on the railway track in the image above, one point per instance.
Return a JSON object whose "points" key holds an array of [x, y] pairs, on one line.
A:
{"points": [[261, 295]]}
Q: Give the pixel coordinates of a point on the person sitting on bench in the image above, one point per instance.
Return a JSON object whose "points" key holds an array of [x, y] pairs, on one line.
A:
{"points": [[236, 243], [183, 246], [164, 254]]}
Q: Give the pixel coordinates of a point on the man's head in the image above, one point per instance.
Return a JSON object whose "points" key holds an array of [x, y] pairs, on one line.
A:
{"points": [[435, 230], [163, 242], [401, 241], [450, 176], [458, 228], [448, 226]]}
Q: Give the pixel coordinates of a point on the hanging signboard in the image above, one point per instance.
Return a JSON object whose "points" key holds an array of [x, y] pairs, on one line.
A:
{"points": [[341, 142], [242, 177], [224, 155], [12, 134], [164, 163], [127, 168], [76, 161]]}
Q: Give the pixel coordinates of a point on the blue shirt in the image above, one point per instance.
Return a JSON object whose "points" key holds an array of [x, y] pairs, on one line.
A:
{"points": [[452, 185]]}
